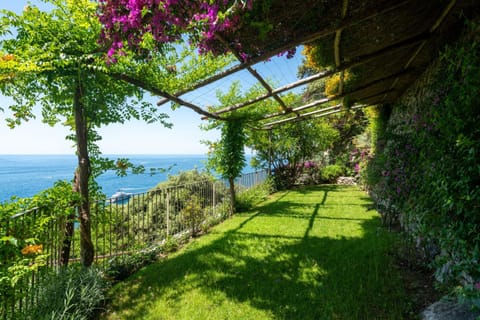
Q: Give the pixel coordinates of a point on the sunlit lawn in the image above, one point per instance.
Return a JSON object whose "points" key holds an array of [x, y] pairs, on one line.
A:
{"points": [[312, 253]]}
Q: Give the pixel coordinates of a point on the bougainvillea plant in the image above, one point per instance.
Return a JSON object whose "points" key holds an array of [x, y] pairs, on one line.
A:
{"points": [[128, 22]]}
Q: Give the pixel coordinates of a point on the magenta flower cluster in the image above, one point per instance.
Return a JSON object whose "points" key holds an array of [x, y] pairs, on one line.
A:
{"points": [[129, 20], [309, 164], [358, 156], [356, 167]]}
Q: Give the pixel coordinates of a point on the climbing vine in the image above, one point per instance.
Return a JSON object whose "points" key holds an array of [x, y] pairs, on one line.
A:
{"points": [[426, 173], [228, 156]]}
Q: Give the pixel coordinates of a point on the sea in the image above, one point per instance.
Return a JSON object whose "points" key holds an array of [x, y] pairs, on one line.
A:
{"points": [[26, 175]]}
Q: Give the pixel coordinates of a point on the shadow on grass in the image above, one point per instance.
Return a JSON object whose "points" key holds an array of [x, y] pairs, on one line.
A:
{"points": [[290, 276]]}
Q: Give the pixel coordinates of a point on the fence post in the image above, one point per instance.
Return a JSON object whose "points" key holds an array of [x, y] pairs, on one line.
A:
{"points": [[214, 200], [168, 212]]}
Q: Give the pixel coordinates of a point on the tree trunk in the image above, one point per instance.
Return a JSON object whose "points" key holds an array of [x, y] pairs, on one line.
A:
{"points": [[231, 182], [67, 240], [82, 176], [69, 230]]}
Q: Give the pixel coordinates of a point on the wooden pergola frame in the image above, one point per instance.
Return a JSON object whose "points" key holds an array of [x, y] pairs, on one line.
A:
{"points": [[301, 113]]}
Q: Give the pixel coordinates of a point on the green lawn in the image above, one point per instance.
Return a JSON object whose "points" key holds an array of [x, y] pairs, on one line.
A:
{"points": [[311, 253]]}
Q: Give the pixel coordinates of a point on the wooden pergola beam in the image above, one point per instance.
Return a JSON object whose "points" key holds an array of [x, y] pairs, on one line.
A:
{"points": [[268, 88], [304, 107], [431, 31], [327, 73], [346, 23], [290, 86], [321, 113], [339, 110], [339, 96], [314, 114], [139, 83], [255, 74], [336, 47], [301, 116]]}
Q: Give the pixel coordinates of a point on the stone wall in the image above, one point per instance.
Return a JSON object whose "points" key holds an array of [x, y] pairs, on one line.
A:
{"points": [[420, 99], [419, 94]]}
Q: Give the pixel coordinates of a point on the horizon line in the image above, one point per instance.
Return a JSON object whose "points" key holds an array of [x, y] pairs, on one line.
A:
{"points": [[105, 154]]}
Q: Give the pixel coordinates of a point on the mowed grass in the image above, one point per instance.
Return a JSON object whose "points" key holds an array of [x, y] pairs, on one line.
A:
{"points": [[311, 253]]}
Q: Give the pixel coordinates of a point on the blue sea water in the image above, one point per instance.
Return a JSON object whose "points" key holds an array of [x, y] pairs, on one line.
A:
{"points": [[26, 175]]}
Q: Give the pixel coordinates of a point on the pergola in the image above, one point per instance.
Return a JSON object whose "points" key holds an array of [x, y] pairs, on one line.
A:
{"points": [[387, 44]]}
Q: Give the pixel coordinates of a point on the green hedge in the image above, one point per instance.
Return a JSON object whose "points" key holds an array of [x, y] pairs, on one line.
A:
{"points": [[330, 173], [426, 172]]}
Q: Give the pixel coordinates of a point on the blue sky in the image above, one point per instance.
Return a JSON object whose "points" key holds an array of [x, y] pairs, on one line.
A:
{"points": [[134, 137]]}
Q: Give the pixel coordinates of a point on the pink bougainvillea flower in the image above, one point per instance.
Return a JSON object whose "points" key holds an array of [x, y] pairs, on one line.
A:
{"points": [[168, 19]]}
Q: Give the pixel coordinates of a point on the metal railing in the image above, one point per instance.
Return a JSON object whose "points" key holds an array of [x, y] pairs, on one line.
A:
{"points": [[138, 221], [121, 226], [22, 227], [249, 180]]}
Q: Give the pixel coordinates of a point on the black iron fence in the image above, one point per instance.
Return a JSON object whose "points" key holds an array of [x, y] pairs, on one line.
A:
{"points": [[120, 226], [249, 180]]}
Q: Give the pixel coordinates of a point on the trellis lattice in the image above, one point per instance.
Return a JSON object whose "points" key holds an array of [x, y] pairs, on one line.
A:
{"points": [[386, 43]]}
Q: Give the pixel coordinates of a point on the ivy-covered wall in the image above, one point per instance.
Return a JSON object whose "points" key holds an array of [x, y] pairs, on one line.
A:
{"points": [[425, 173]]}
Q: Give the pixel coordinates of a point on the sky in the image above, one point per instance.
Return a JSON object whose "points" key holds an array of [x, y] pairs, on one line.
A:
{"points": [[134, 137]]}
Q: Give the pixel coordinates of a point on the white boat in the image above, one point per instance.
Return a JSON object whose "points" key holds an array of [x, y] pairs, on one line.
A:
{"points": [[120, 196]]}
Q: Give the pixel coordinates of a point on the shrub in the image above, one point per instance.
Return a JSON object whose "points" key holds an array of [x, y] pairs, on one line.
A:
{"points": [[23, 239], [249, 198], [310, 173], [121, 267], [185, 177], [72, 293], [192, 214], [330, 173], [426, 170], [284, 177], [171, 244], [216, 215]]}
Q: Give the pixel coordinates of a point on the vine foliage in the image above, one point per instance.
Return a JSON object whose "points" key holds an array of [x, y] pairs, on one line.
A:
{"points": [[426, 173]]}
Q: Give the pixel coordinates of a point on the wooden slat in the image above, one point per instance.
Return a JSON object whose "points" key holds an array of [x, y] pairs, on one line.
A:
{"points": [[339, 96], [157, 91], [336, 47], [314, 114], [301, 116], [254, 73], [354, 62], [346, 23], [431, 31], [268, 88]]}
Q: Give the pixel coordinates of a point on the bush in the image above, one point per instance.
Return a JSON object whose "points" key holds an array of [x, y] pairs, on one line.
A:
{"points": [[171, 244], [285, 177], [185, 177], [216, 215], [192, 214], [73, 293], [121, 267], [426, 170], [331, 173], [186, 196], [310, 173], [250, 197], [23, 240]]}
